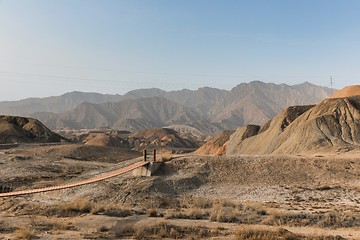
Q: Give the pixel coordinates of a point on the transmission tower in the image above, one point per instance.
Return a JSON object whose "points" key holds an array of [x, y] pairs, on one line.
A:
{"points": [[331, 84]]}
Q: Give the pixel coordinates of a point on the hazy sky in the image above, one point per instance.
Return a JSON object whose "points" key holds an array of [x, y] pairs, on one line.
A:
{"points": [[49, 47]]}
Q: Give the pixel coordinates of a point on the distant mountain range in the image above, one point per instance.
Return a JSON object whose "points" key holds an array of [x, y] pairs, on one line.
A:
{"points": [[209, 110]]}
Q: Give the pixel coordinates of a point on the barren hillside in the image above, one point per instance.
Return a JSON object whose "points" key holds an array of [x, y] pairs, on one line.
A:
{"points": [[332, 125]]}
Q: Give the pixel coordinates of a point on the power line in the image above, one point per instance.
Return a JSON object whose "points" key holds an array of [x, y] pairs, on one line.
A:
{"points": [[96, 80]]}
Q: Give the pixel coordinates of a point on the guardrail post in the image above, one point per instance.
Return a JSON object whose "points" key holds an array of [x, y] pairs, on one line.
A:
{"points": [[154, 153], [145, 158]]}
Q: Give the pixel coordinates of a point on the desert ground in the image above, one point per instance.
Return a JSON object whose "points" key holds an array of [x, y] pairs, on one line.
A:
{"points": [[191, 196]]}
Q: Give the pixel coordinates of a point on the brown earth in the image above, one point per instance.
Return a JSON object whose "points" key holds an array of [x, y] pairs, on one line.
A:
{"points": [[308, 195]]}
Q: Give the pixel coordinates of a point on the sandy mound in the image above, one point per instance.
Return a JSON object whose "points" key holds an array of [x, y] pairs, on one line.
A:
{"points": [[158, 138], [19, 129], [216, 146], [348, 91], [104, 140], [331, 126]]}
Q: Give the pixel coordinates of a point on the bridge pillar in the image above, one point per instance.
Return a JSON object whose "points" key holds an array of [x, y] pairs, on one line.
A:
{"points": [[147, 170]]}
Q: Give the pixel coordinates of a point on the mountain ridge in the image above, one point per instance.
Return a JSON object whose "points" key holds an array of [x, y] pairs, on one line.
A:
{"points": [[209, 110]]}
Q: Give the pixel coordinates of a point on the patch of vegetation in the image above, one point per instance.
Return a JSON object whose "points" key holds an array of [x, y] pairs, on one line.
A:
{"points": [[333, 220], [4, 228], [243, 234], [154, 213], [187, 214], [81, 206], [24, 233], [164, 230]]}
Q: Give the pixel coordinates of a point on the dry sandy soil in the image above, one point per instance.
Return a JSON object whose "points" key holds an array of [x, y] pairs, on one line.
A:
{"points": [[191, 197]]}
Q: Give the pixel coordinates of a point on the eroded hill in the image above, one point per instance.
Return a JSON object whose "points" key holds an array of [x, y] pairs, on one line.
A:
{"points": [[159, 138], [15, 129], [332, 125]]}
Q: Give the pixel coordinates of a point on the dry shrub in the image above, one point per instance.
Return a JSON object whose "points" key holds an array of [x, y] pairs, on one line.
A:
{"points": [[220, 213], [255, 207], [336, 220], [198, 214], [125, 231], [165, 157], [215, 212], [339, 220], [84, 205], [244, 234], [202, 203], [111, 210], [188, 214], [63, 226], [163, 202], [154, 213], [325, 188], [98, 207], [24, 233], [163, 230], [228, 203], [185, 202], [79, 205], [197, 202], [4, 228], [45, 226], [103, 229]]}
